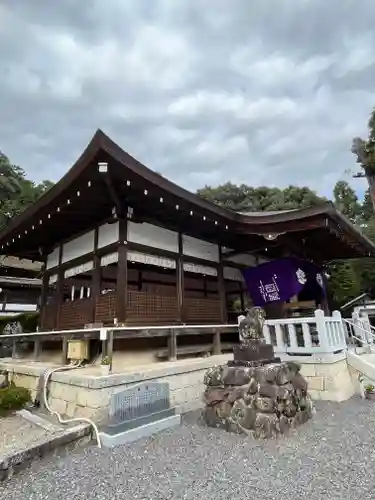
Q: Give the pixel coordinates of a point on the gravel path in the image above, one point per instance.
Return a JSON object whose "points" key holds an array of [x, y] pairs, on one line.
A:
{"points": [[17, 434], [332, 457]]}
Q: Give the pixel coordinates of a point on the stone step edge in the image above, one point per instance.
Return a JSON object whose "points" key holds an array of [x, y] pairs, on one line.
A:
{"points": [[16, 462], [143, 431]]}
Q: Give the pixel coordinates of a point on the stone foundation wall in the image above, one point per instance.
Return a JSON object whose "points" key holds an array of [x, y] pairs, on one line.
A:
{"points": [[328, 379], [76, 394]]}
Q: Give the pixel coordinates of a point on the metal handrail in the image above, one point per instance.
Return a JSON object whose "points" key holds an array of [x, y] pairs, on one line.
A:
{"points": [[114, 329], [353, 326]]}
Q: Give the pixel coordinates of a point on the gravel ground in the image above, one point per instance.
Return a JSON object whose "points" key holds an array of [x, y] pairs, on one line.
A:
{"points": [[331, 457], [17, 434]]}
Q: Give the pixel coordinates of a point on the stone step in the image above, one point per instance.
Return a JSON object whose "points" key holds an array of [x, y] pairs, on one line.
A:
{"points": [[128, 436]]}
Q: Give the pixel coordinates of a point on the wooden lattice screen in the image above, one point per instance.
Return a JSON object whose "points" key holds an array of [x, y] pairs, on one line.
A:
{"points": [[75, 314]]}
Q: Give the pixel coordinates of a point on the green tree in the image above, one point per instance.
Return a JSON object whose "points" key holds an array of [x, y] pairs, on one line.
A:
{"points": [[343, 282], [364, 150], [346, 200], [9, 179], [243, 198], [365, 267], [16, 191], [367, 211]]}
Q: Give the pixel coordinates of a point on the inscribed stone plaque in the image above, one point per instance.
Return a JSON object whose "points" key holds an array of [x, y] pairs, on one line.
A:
{"points": [[138, 402]]}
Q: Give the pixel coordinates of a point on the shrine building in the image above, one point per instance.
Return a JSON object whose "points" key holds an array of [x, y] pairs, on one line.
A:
{"points": [[122, 245]]}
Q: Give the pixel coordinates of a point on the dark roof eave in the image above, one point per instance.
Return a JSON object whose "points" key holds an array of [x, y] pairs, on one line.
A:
{"points": [[326, 210], [101, 141]]}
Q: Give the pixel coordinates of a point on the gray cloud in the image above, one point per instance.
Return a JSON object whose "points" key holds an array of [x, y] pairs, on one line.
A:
{"points": [[204, 91]]}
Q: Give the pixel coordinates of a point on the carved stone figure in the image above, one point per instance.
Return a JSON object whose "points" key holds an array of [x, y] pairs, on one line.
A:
{"points": [[251, 328]]}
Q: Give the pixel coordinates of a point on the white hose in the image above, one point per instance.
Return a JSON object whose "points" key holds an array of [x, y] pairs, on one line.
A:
{"points": [[362, 389], [48, 373]]}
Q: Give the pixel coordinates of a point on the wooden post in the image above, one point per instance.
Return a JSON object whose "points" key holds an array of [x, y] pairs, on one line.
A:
{"points": [[37, 349], [180, 281], [172, 346], [217, 342], [104, 349], [59, 290], [110, 348], [122, 273], [14, 348], [222, 293], [96, 277], [43, 297], [64, 356]]}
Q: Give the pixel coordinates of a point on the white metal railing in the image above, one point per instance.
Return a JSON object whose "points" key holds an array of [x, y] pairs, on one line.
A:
{"points": [[317, 334], [360, 329]]}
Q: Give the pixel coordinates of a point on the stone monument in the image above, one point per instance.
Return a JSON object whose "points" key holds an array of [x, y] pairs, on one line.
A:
{"points": [[256, 393]]}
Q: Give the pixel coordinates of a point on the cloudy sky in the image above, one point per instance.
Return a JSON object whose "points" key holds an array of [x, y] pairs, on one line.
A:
{"points": [[266, 92]]}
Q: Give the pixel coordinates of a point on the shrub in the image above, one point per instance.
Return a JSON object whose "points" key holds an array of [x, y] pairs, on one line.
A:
{"points": [[13, 398]]}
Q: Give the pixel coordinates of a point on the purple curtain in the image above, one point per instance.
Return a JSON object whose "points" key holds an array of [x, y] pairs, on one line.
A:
{"points": [[279, 280]]}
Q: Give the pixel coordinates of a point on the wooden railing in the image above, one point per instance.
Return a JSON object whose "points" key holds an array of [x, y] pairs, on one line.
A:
{"points": [[317, 334], [108, 335]]}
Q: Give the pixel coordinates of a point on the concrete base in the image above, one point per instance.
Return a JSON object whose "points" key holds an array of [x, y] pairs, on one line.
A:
{"points": [[111, 440]]}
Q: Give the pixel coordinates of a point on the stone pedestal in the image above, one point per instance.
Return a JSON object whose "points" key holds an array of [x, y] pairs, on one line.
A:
{"points": [[256, 393], [262, 401]]}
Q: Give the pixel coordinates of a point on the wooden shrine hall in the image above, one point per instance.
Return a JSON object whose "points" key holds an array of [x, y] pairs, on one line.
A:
{"points": [[123, 245]]}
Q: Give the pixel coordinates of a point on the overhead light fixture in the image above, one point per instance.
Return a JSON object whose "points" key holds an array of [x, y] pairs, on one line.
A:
{"points": [[271, 236], [103, 167]]}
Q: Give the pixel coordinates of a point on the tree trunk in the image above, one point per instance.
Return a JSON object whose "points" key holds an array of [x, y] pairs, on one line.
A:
{"points": [[371, 184]]}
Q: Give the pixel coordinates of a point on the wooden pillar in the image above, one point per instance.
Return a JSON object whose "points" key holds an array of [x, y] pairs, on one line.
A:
{"points": [[59, 290], [14, 348], [37, 349], [172, 346], [217, 342], [180, 281], [4, 304], [43, 298], [64, 354], [222, 293], [122, 273], [96, 277], [110, 349]]}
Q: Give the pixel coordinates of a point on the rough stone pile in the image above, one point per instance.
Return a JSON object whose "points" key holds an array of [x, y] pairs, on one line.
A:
{"points": [[259, 400]]}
